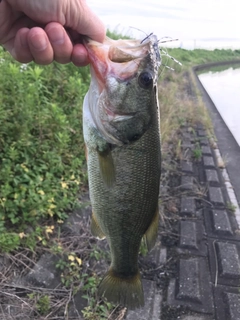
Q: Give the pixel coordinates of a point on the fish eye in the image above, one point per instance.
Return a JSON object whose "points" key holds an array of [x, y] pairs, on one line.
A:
{"points": [[145, 79]]}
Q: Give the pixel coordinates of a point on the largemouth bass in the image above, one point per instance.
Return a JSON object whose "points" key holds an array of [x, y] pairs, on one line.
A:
{"points": [[122, 137]]}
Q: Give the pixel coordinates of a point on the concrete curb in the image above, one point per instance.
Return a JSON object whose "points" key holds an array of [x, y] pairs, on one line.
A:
{"points": [[229, 187]]}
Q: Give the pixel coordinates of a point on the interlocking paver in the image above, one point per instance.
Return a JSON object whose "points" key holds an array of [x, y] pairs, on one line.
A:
{"points": [[193, 289], [233, 303], [227, 301], [221, 222], [204, 142], [228, 259], [212, 177], [187, 167], [201, 133], [192, 240], [186, 135], [225, 262], [208, 162], [206, 151], [188, 234], [216, 196], [189, 286], [186, 182], [187, 206], [207, 278]]}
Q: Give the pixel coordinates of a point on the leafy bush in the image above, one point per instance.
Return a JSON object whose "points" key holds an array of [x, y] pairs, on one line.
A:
{"points": [[42, 163]]}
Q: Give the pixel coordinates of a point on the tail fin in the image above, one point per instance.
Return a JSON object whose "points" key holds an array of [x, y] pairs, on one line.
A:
{"points": [[126, 291]]}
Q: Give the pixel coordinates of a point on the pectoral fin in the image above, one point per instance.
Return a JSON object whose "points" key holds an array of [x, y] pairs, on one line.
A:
{"points": [[96, 229], [150, 235], [107, 169]]}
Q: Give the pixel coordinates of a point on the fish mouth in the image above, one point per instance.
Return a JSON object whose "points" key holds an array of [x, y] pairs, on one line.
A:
{"points": [[119, 58], [118, 117]]}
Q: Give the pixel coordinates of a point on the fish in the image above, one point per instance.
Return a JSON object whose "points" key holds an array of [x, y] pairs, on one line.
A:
{"points": [[121, 127]]}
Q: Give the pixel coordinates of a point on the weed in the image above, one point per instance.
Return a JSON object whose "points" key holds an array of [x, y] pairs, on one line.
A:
{"points": [[179, 149], [95, 309], [222, 161], [71, 267], [99, 312], [42, 302], [197, 152], [143, 250], [231, 207], [9, 241]]}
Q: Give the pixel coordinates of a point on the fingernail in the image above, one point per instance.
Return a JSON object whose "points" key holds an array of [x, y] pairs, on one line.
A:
{"points": [[39, 42], [56, 35]]}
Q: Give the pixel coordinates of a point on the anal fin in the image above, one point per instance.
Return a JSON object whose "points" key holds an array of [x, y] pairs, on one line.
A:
{"points": [[107, 168], [150, 235], [96, 229]]}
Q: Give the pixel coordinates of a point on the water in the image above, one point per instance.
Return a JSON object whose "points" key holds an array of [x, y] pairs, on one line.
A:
{"points": [[223, 86]]}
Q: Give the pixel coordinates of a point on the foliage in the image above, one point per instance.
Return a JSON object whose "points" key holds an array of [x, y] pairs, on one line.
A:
{"points": [[42, 302], [194, 57], [71, 270], [197, 151], [73, 276], [231, 207], [42, 163]]}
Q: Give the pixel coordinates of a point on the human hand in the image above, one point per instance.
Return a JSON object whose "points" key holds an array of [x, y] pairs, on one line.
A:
{"points": [[47, 30]]}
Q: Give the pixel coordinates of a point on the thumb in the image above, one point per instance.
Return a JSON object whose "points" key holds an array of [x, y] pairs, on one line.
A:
{"points": [[83, 20]]}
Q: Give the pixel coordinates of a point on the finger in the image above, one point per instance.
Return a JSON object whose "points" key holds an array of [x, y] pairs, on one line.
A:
{"points": [[79, 55], [40, 46], [22, 51], [60, 42]]}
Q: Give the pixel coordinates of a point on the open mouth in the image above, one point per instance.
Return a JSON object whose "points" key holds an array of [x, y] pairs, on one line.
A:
{"points": [[118, 117]]}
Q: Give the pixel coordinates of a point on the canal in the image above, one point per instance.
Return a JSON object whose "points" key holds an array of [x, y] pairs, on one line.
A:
{"points": [[223, 86]]}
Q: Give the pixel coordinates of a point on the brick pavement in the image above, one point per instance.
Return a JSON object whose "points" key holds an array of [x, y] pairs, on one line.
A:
{"points": [[208, 275]]}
